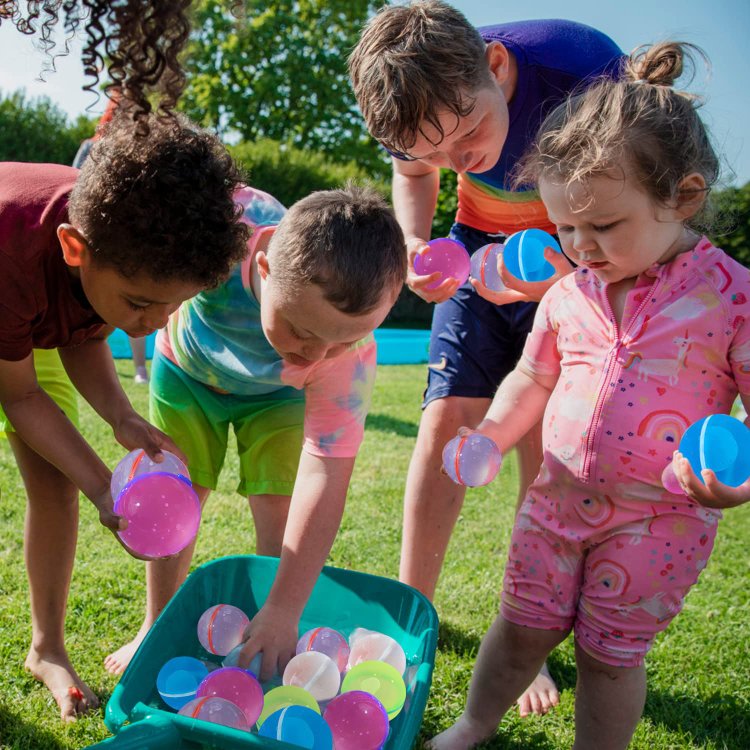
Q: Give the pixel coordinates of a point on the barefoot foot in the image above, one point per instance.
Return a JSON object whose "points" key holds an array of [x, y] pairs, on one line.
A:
{"points": [[464, 734], [73, 696], [540, 696], [116, 662]]}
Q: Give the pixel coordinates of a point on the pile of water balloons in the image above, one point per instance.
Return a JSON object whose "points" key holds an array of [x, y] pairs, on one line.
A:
{"points": [[472, 460], [335, 692], [159, 503], [717, 442]]}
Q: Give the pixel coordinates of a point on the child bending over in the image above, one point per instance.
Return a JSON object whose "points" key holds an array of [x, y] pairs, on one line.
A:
{"points": [[144, 226], [651, 329], [283, 353]]}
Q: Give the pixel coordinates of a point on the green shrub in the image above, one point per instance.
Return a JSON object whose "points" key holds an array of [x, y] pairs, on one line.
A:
{"points": [[37, 130]]}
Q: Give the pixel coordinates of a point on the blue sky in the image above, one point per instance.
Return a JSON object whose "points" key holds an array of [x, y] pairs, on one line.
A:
{"points": [[720, 27]]}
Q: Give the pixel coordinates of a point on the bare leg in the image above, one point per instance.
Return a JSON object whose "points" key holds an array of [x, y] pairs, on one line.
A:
{"points": [[163, 578], [432, 502], [138, 347], [50, 534], [542, 694], [609, 703], [269, 516], [508, 659]]}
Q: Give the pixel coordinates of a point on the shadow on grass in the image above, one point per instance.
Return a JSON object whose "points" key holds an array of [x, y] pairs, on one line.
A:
{"points": [[721, 719], [384, 423], [17, 733]]}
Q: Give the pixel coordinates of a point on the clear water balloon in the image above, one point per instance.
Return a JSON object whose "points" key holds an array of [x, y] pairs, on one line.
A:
{"points": [[484, 266], [221, 628], [472, 460]]}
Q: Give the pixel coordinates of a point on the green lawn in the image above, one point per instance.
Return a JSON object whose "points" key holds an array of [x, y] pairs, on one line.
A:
{"points": [[698, 672]]}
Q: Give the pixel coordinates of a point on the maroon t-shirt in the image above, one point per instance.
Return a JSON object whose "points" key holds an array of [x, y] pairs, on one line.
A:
{"points": [[42, 306]]}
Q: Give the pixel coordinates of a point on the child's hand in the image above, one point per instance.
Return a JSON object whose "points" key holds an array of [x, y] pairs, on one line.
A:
{"points": [[274, 632], [107, 517], [712, 494], [133, 431], [418, 284], [524, 291]]}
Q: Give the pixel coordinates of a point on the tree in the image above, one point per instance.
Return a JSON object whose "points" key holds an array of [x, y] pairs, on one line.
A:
{"points": [[278, 70], [732, 206], [36, 130]]}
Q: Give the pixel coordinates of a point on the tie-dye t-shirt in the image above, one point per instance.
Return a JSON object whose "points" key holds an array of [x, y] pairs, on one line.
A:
{"points": [[626, 393], [216, 337]]}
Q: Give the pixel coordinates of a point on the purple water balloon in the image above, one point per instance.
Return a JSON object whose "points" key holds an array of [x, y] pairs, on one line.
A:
{"points": [[357, 720], [329, 642], [238, 687], [472, 460], [221, 629], [484, 266], [217, 711], [444, 255], [138, 463], [163, 514]]}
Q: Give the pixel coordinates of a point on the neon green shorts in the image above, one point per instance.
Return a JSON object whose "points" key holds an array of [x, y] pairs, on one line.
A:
{"points": [[268, 429], [51, 375]]}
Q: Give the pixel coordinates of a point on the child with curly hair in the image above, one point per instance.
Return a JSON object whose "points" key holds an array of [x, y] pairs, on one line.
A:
{"points": [[283, 355], [652, 328], [145, 225]]}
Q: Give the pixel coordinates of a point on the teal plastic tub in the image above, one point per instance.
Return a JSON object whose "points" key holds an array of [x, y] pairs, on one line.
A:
{"points": [[341, 599]]}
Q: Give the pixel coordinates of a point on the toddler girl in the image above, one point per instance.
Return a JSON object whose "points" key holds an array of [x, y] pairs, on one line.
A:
{"points": [[649, 334]]}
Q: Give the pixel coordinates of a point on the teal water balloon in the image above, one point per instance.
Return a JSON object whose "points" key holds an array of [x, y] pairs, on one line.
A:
{"points": [[523, 254]]}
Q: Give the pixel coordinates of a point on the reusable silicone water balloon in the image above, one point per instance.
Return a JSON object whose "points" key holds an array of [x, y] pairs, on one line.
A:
{"points": [[138, 463], [315, 672], [238, 687], [717, 442], [221, 629], [357, 720], [298, 725], [178, 680], [283, 696], [163, 514], [444, 255], [369, 645], [329, 642], [217, 711], [484, 266], [523, 254], [233, 657], [378, 679], [472, 460]]}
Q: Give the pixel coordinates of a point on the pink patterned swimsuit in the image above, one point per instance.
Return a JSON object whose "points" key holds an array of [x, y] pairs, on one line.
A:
{"points": [[599, 545]]}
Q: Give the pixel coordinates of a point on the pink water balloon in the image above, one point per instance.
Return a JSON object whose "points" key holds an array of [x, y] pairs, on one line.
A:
{"points": [[315, 672], [221, 628], [163, 514], [329, 642], [217, 711], [238, 687], [357, 720], [369, 645], [444, 255]]}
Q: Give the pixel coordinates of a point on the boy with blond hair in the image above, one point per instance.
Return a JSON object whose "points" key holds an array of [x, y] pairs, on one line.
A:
{"points": [[439, 94], [283, 354]]}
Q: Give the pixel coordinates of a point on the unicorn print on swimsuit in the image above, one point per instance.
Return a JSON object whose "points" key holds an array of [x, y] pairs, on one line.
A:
{"points": [[662, 368]]}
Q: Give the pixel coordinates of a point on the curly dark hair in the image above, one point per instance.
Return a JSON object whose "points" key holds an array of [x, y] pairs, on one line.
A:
{"points": [[162, 205], [138, 42]]}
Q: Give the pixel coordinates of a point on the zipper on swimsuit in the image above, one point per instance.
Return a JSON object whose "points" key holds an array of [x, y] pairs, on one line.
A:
{"points": [[611, 370]]}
